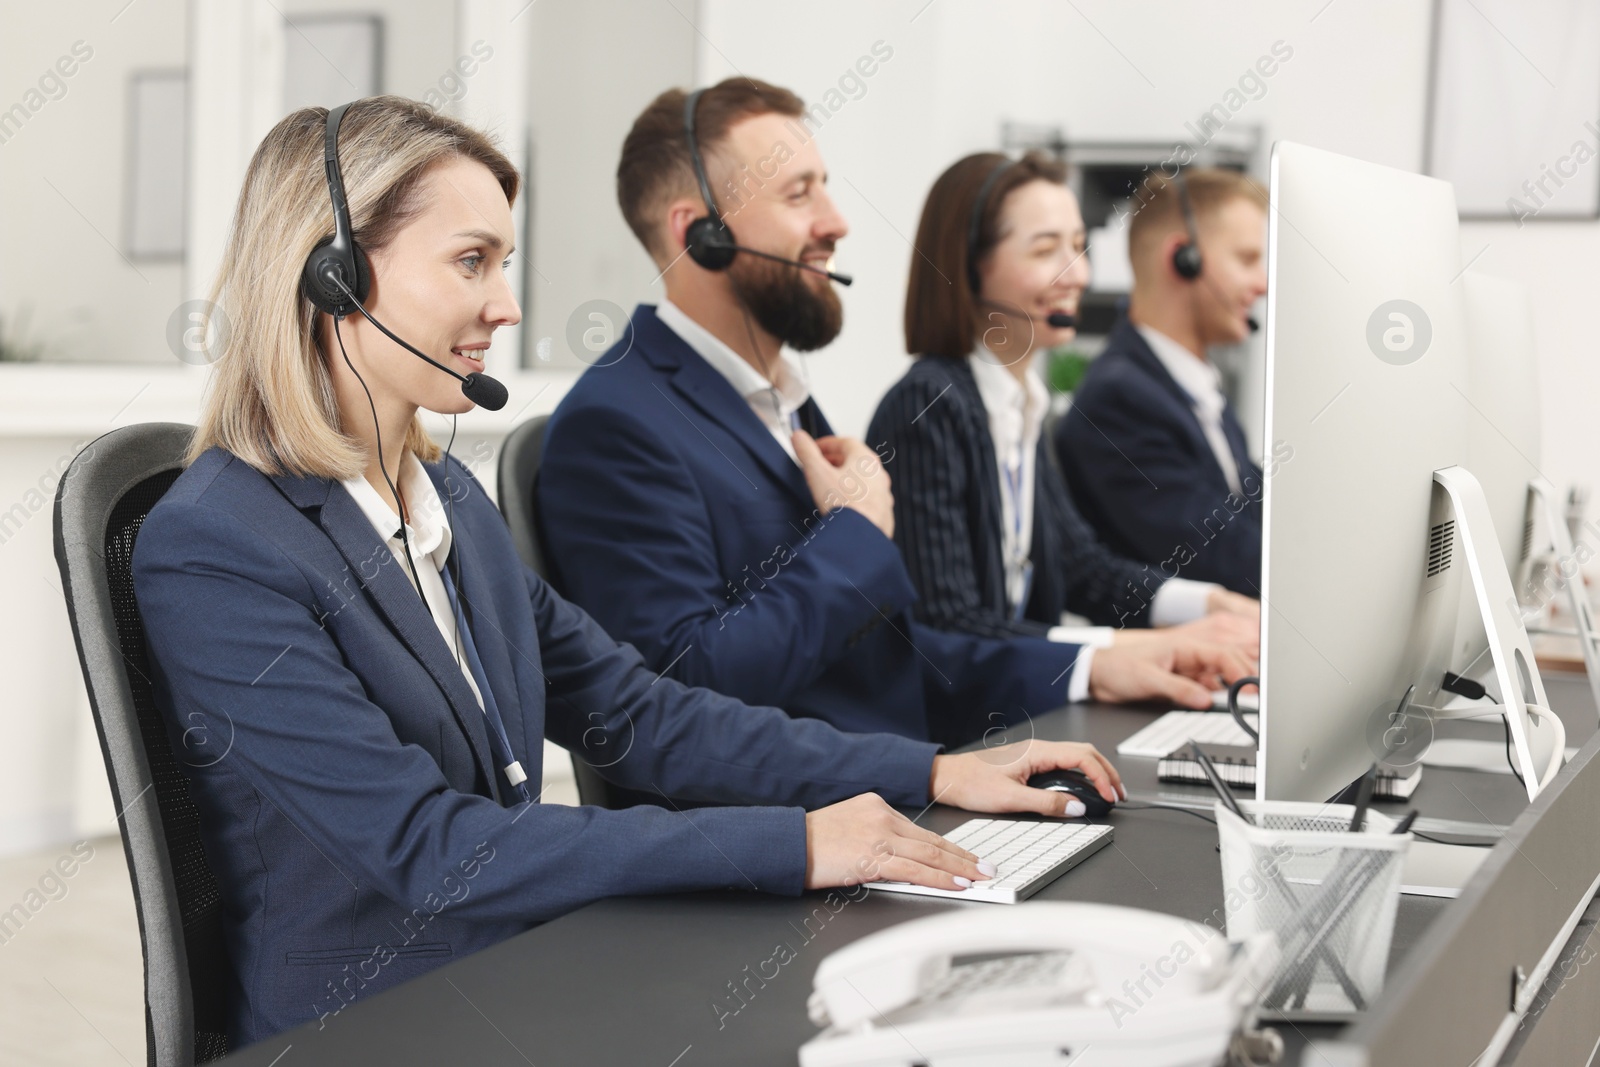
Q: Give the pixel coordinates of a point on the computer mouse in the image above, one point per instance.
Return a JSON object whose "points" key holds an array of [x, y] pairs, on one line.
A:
{"points": [[1077, 783]]}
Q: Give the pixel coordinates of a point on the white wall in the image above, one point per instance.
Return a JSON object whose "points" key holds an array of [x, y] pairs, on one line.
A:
{"points": [[1356, 83]]}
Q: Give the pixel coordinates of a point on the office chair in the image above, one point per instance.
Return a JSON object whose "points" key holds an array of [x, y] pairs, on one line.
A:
{"points": [[517, 475], [101, 503]]}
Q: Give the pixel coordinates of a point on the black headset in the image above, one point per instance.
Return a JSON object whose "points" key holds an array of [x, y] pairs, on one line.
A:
{"points": [[1186, 259], [336, 278], [975, 223], [1057, 319], [708, 240]]}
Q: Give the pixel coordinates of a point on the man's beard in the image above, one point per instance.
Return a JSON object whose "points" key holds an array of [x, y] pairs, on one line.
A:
{"points": [[785, 305]]}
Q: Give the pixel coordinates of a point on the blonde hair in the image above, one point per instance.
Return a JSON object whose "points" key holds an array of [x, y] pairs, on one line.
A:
{"points": [[271, 398], [1158, 210]]}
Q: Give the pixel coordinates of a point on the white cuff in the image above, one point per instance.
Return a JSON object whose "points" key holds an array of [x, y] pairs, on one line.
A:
{"points": [[1093, 636], [1180, 600], [1078, 684]]}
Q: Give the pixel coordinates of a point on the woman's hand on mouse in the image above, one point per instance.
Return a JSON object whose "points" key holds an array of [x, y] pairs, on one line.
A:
{"points": [[996, 779]]}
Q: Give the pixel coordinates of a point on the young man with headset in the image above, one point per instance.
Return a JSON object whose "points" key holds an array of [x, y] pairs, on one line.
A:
{"points": [[1153, 453], [695, 500]]}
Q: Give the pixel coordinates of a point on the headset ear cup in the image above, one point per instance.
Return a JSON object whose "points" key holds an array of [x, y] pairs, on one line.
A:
{"points": [[313, 282], [324, 295], [1186, 261], [709, 243]]}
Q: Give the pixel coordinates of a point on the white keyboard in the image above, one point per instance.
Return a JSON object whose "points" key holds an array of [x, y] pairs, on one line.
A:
{"points": [[1027, 856], [1177, 728]]}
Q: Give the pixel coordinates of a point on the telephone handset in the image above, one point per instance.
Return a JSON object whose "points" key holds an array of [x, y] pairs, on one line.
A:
{"points": [[1104, 981]]}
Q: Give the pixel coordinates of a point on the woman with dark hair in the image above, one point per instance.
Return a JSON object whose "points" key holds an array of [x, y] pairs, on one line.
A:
{"points": [[338, 599], [982, 513]]}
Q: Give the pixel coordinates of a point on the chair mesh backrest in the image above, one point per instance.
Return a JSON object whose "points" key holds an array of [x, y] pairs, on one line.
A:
{"points": [[186, 967], [199, 902]]}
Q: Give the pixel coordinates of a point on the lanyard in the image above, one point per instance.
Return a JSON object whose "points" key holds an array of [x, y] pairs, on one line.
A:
{"points": [[1014, 557], [498, 738]]}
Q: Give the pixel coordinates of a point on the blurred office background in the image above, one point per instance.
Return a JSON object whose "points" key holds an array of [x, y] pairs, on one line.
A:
{"points": [[126, 125]]}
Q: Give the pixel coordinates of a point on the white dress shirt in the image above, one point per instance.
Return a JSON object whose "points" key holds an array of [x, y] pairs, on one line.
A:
{"points": [[1203, 382], [774, 404], [1016, 420], [429, 533]]}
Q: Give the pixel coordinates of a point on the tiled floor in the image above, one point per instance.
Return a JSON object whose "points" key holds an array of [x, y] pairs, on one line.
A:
{"points": [[71, 979], [71, 985]]}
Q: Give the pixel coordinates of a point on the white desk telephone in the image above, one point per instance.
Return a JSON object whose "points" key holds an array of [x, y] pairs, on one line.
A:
{"points": [[1054, 983]]}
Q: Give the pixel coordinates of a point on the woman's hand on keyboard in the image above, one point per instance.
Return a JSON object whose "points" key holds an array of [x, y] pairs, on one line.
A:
{"points": [[863, 839], [996, 779]]}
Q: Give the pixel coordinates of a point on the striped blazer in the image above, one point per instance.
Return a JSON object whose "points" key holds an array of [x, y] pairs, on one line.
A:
{"points": [[947, 517]]}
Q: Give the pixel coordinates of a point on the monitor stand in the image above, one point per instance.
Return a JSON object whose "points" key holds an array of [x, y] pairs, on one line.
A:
{"points": [[1516, 672], [1577, 600]]}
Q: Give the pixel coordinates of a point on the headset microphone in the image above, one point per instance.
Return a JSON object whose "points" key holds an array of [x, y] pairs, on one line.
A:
{"points": [[708, 240], [704, 241], [336, 278], [1061, 320], [1250, 321]]}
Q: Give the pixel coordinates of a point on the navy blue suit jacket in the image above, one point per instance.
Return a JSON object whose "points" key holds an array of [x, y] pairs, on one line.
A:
{"points": [[1142, 472], [341, 763], [948, 514], [674, 517]]}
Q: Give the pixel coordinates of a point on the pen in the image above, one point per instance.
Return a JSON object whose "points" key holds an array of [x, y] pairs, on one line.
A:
{"points": [[1218, 784], [1364, 798]]}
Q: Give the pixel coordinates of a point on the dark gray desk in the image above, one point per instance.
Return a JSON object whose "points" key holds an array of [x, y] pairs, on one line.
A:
{"points": [[649, 981]]}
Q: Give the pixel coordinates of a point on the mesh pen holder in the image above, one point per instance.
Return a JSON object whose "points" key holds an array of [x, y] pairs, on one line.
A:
{"points": [[1329, 895]]}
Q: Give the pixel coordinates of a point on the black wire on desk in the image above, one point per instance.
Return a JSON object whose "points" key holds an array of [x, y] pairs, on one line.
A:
{"points": [[1466, 687], [1141, 806], [1233, 705]]}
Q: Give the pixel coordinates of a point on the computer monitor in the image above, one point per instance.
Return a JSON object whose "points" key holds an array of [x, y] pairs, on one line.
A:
{"points": [[1503, 422], [1501, 402], [1360, 584]]}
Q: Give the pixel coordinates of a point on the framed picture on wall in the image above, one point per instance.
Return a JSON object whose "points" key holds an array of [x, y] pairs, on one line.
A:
{"points": [[154, 206], [1514, 108]]}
